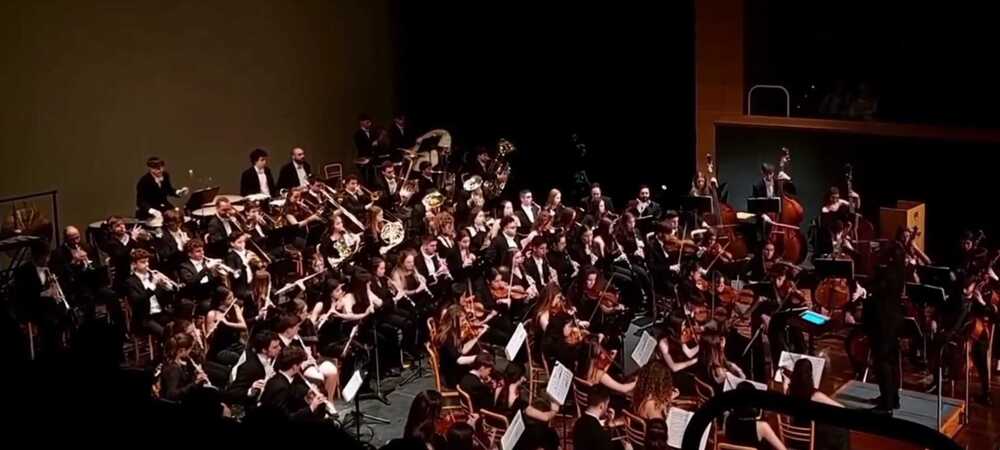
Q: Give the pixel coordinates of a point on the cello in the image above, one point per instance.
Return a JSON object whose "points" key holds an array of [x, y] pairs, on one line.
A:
{"points": [[786, 233]]}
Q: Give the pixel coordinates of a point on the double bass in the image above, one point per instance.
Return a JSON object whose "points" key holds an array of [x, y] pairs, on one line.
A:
{"points": [[786, 230], [723, 218]]}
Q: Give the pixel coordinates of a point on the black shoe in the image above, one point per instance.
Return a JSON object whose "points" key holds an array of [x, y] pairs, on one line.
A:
{"points": [[882, 411]]}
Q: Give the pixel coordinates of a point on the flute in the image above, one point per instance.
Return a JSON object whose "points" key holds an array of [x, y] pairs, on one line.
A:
{"points": [[330, 409], [198, 368]]}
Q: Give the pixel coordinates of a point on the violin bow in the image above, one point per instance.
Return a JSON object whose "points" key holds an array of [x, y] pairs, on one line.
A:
{"points": [[605, 290]]}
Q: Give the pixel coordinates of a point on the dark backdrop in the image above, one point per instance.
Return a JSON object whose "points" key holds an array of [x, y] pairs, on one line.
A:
{"points": [[621, 78], [952, 178]]}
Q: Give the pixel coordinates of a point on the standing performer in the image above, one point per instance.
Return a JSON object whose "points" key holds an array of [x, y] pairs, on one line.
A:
{"points": [[883, 320], [153, 189], [257, 179], [296, 173]]}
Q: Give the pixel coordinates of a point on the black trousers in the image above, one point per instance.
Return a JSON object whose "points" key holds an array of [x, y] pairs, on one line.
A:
{"points": [[885, 357]]}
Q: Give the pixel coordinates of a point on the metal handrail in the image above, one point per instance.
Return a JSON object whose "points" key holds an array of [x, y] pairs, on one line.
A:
{"points": [[788, 97]]}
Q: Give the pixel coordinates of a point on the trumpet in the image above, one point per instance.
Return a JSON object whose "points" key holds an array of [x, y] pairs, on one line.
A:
{"points": [[171, 284], [219, 265]]}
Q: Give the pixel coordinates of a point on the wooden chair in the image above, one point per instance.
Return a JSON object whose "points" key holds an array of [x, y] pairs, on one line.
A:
{"points": [[727, 446], [537, 375], [703, 391], [452, 402], [493, 427], [581, 392], [635, 430], [136, 346], [465, 401], [333, 172], [796, 437]]}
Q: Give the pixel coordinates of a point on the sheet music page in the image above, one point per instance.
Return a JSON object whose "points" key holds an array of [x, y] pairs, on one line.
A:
{"points": [[513, 433], [732, 381], [352, 386], [516, 341], [787, 361], [644, 349], [677, 422], [559, 383]]}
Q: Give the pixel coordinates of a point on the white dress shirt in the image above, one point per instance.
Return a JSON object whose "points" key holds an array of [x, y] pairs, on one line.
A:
{"points": [[300, 170], [262, 179], [429, 263], [198, 267], [528, 212], [149, 284]]}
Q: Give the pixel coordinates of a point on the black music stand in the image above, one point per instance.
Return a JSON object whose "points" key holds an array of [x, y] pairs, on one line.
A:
{"points": [[699, 204], [936, 275], [201, 197], [763, 205]]}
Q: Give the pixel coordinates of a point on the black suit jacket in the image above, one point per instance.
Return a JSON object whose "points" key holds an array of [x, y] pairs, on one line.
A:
{"points": [[498, 250], [387, 199], [28, 289], [191, 279], [216, 237], [71, 276], [364, 143], [240, 284], [480, 393], [239, 390], [150, 196], [526, 224], [120, 256], [168, 253], [657, 261], [139, 298], [249, 184], [531, 269], [652, 210], [288, 398], [401, 138], [588, 434], [288, 177], [422, 268], [355, 204]]}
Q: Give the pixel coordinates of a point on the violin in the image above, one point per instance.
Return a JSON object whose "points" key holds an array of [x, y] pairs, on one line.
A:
{"points": [[605, 295], [576, 335], [504, 290]]}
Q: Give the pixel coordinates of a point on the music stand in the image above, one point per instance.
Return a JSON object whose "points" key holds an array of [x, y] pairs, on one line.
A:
{"points": [[763, 205], [700, 204], [201, 197], [936, 275]]}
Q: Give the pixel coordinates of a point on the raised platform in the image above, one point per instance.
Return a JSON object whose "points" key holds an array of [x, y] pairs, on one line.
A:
{"points": [[916, 407]]}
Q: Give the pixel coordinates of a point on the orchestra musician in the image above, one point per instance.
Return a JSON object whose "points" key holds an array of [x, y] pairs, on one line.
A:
{"points": [[400, 135], [788, 296], [478, 383], [179, 374], [119, 247], [505, 242], [882, 322], [770, 184], [39, 298], [221, 228], [170, 245], [257, 179], [295, 173], [286, 392], [538, 267], [643, 207], [561, 261], [554, 203], [197, 276], [591, 203], [254, 369], [388, 185], [354, 199], [74, 263], [400, 322], [153, 190], [527, 212], [150, 294], [224, 324], [412, 285], [433, 268], [365, 137], [457, 350]]}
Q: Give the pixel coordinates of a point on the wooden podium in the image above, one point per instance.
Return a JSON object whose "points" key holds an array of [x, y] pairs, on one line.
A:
{"points": [[905, 214]]}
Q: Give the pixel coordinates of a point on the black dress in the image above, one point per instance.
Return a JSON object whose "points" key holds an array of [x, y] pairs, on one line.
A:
{"points": [[741, 428]]}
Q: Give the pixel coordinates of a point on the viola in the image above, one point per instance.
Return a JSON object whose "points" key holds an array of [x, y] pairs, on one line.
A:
{"points": [[576, 335], [503, 289]]}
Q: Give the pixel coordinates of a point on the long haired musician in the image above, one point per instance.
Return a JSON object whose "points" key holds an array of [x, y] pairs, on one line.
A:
{"points": [[224, 325], [457, 344], [179, 374]]}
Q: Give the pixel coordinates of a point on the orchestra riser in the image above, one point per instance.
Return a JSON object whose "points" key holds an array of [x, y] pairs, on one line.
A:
{"points": [[917, 407]]}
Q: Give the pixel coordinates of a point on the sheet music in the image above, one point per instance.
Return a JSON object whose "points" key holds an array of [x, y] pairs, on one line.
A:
{"points": [[732, 381], [559, 383], [516, 341], [787, 361], [644, 349], [352, 386], [513, 433], [677, 423]]}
